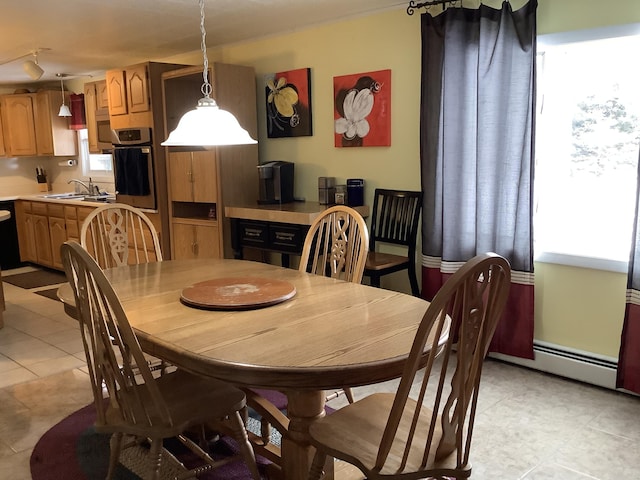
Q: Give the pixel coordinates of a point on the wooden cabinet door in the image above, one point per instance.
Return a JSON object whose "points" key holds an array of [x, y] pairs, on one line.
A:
{"points": [[116, 91], [18, 125], [2, 149], [90, 106], [44, 131], [58, 235], [181, 176], [195, 241], [42, 239], [205, 178], [138, 89], [102, 97], [26, 232]]}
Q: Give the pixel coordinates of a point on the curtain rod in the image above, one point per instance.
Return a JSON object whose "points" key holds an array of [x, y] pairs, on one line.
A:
{"points": [[413, 6]]}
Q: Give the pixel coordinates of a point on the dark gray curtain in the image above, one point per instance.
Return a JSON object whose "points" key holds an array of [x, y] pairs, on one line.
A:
{"points": [[477, 129], [628, 375]]}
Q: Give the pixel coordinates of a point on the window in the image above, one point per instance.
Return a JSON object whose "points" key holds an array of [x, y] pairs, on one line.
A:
{"points": [[97, 166], [587, 147]]}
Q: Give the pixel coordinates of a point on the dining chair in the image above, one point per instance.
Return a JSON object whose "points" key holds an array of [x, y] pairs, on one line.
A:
{"points": [[394, 221], [137, 404], [336, 245], [119, 234], [427, 434]]}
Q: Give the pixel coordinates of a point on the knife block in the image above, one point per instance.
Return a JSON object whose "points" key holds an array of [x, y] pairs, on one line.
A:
{"points": [[44, 187]]}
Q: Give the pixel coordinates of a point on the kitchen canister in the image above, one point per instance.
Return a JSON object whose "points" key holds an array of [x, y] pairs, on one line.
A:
{"points": [[355, 192]]}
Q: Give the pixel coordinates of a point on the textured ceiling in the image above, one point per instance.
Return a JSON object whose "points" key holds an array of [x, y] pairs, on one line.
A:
{"points": [[90, 36]]}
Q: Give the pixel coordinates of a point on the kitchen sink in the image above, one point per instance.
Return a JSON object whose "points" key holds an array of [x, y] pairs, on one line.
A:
{"points": [[65, 196]]}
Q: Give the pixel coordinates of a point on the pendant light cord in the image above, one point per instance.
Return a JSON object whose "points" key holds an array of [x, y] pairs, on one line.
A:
{"points": [[61, 88], [206, 86]]}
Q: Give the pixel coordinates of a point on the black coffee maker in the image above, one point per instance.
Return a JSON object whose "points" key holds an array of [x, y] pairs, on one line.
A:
{"points": [[276, 182]]}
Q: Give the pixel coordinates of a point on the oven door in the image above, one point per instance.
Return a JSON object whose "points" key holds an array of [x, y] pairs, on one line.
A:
{"points": [[133, 174]]}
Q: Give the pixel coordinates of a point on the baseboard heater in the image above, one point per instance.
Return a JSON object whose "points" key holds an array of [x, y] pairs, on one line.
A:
{"points": [[570, 363]]}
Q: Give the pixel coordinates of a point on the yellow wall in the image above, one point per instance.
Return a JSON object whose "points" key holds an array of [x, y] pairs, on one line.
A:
{"points": [[575, 307]]}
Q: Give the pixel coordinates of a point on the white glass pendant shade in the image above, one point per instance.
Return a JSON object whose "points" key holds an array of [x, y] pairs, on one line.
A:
{"points": [[208, 126], [64, 111]]}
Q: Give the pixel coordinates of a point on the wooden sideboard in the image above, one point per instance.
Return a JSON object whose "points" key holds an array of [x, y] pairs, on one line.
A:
{"points": [[279, 228]]}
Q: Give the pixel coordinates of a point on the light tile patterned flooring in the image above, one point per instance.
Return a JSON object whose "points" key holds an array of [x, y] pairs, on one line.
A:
{"points": [[529, 425]]}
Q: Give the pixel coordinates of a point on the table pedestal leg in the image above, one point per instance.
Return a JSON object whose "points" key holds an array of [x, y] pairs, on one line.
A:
{"points": [[303, 408]]}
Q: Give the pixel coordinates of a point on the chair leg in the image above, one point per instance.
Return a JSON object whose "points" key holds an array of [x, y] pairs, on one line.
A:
{"points": [[246, 450], [315, 472], [155, 456], [114, 456], [349, 393], [413, 280]]}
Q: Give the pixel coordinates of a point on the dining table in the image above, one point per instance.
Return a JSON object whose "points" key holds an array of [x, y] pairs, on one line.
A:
{"points": [[314, 335]]}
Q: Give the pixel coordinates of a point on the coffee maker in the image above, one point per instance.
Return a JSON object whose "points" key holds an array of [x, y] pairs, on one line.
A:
{"points": [[276, 182]]}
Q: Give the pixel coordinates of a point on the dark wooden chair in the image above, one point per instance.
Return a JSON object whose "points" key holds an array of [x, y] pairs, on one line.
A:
{"points": [[131, 402], [394, 221], [426, 435]]}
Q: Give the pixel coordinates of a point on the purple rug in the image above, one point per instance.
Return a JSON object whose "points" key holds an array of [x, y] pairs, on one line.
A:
{"points": [[73, 450]]}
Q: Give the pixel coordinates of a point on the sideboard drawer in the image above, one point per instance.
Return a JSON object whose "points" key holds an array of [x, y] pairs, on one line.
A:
{"points": [[286, 237], [254, 233]]}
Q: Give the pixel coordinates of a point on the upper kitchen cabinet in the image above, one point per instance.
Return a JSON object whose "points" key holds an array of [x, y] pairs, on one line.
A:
{"points": [[31, 125], [134, 94], [96, 109]]}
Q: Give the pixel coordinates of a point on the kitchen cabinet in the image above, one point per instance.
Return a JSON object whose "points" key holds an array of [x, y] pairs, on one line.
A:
{"points": [[201, 182], [18, 125], [195, 239], [2, 149], [44, 226], [32, 127], [193, 177], [128, 90], [96, 108]]}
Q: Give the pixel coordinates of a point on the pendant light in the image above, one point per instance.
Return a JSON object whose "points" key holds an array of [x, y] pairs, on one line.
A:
{"points": [[64, 110], [208, 125]]}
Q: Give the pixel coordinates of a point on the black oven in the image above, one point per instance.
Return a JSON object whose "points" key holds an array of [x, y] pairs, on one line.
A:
{"points": [[133, 167]]}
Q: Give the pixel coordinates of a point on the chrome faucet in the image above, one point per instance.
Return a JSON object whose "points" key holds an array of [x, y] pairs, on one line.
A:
{"points": [[91, 188]]}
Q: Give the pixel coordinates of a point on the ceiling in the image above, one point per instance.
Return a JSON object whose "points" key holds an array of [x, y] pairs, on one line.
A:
{"points": [[87, 37]]}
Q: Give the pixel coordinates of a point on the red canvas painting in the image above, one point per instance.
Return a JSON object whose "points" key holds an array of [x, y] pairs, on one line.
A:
{"points": [[288, 103], [362, 109]]}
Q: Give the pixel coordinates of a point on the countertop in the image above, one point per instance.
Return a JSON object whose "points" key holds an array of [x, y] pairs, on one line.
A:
{"points": [[40, 197], [300, 213]]}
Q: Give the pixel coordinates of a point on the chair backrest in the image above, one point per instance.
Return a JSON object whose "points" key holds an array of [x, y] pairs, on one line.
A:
{"points": [[336, 245], [395, 218], [473, 299], [114, 357], [118, 234]]}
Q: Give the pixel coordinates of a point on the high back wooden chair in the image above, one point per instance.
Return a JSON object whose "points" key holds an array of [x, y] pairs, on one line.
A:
{"points": [[389, 435], [128, 399], [394, 221], [119, 234], [336, 245]]}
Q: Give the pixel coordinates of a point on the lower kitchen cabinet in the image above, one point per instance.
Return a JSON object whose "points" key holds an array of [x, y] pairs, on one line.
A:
{"points": [[195, 239], [43, 227]]}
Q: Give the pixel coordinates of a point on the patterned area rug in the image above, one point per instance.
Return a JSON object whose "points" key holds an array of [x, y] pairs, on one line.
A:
{"points": [[39, 278], [73, 450]]}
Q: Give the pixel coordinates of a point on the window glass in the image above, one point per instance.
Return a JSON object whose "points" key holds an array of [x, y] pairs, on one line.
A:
{"points": [[97, 166], [587, 147]]}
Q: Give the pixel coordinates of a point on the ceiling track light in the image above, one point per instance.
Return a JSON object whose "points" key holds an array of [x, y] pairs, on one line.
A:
{"points": [[32, 68], [208, 125]]}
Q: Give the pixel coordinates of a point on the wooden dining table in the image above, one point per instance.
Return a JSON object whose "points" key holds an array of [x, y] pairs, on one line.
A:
{"points": [[330, 334]]}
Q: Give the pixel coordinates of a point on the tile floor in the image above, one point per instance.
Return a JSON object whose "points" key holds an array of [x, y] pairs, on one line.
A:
{"points": [[529, 425]]}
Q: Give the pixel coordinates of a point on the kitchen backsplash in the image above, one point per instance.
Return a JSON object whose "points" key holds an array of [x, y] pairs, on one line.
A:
{"points": [[18, 176]]}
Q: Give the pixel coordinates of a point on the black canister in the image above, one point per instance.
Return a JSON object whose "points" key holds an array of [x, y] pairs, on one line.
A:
{"points": [[355, 192]]}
